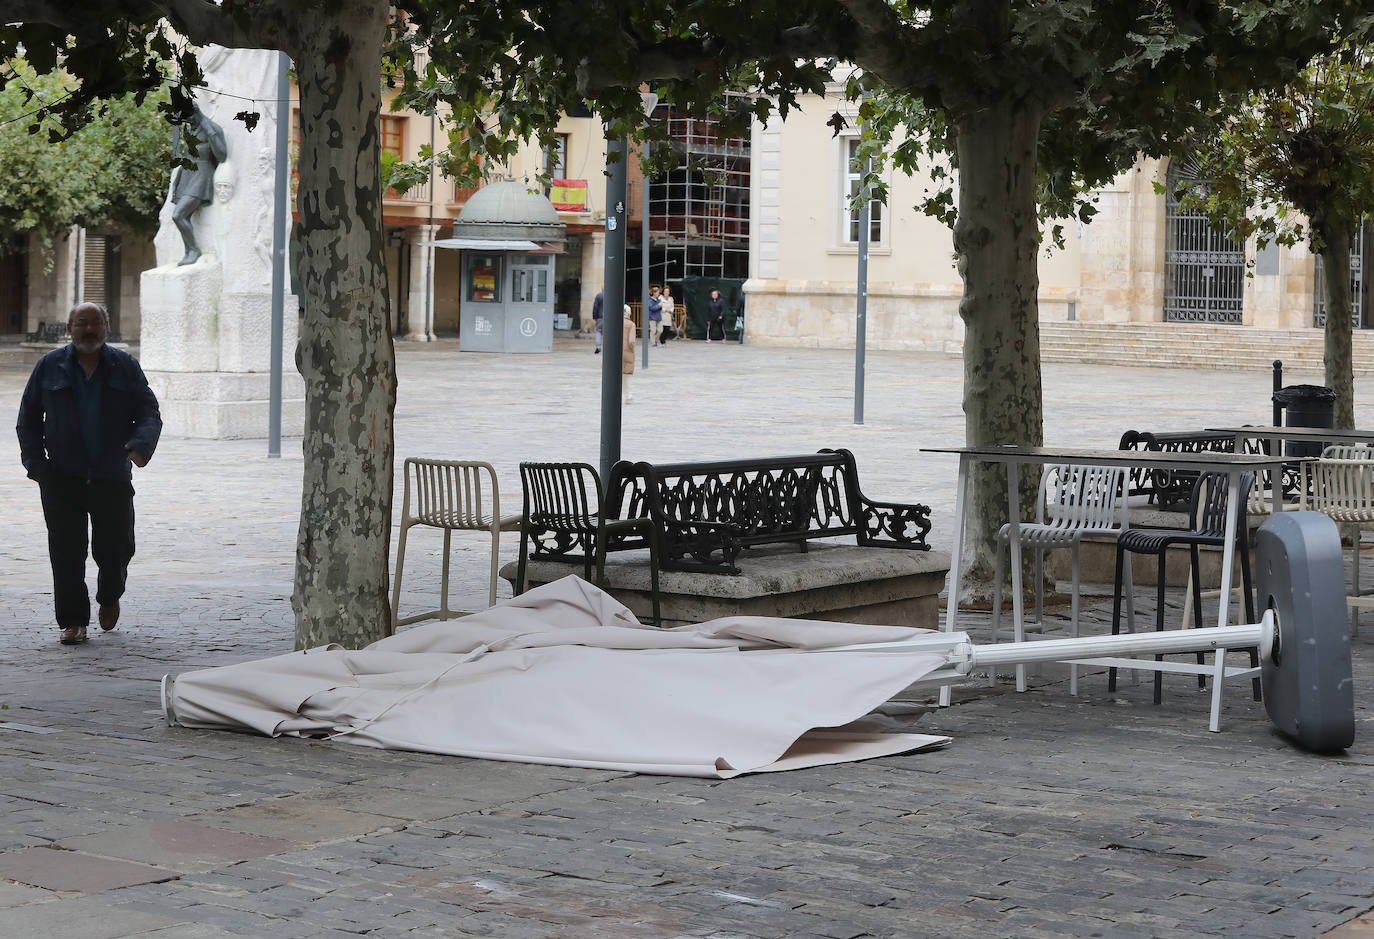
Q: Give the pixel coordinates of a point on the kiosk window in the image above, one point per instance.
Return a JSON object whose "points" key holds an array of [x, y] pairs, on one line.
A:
{"points": [[484, 278], [529, 285]]}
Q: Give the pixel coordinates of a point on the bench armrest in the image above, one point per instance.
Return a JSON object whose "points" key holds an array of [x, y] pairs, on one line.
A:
{"points": [[894, 524]]}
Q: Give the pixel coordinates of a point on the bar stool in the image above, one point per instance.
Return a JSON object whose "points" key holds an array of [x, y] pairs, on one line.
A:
{"points": [[1207, 510]]}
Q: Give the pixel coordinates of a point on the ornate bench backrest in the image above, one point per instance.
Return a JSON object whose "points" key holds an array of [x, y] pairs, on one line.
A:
{"points": [[790, 498], [1168, 488]]}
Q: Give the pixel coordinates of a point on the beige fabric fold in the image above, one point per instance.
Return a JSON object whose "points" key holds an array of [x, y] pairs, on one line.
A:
{"points": [[565, 674]]}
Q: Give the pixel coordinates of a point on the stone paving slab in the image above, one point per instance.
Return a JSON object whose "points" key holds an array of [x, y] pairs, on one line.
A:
{"points": [[185, 846], [1048, 815], [69, 870], [95, 918]]}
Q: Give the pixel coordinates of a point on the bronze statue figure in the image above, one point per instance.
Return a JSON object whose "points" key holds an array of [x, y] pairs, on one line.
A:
{"points": [[196, 187]]}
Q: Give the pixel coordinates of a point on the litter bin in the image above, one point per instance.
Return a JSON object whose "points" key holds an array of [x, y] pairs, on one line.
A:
{"points": [[1306, 406]]}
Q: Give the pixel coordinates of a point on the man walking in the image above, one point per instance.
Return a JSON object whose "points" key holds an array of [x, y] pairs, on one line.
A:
{"points": [[86, 417], [597, 303]]}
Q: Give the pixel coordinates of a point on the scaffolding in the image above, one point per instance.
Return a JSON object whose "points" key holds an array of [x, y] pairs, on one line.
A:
{"points": [[698, 219]]}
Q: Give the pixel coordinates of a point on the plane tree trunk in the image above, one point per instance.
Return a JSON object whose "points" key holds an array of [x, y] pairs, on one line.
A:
{"points": [[1338, 354], [345, 354], [997, 240]]}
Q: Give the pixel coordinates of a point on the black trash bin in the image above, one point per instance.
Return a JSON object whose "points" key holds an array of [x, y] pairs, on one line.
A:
{"points": [[1306, 406]]}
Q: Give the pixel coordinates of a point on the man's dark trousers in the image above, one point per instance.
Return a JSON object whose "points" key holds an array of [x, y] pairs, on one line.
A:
{"points": [[68, 503]]}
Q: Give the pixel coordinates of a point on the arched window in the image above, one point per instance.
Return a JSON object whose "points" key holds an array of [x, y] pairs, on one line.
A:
{"points": [[1204, 268]]}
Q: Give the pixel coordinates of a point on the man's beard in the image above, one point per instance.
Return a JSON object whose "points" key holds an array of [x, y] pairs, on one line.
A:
{"points": [[88, 346]]}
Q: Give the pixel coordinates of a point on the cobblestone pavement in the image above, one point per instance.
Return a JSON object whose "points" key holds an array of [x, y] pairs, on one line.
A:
{"points": [[1047, 815]]}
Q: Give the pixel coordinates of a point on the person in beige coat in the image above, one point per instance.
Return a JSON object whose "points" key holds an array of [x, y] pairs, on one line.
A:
{"points": [[627, 358]]}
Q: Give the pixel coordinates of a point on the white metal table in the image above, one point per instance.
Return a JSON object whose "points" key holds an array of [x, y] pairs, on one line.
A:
{"points": [[1294, 434], [1275, 434], [1233, 464]]}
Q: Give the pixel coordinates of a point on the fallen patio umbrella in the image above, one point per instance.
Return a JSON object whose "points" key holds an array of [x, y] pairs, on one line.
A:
{"points": [[565, 674]]}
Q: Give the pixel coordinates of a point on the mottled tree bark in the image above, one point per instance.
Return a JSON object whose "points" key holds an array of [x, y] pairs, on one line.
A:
{"points": [[345, 354], [997, 240], [1337, 354]]}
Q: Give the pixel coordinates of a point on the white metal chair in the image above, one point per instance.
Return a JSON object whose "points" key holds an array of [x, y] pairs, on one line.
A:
{"points": [[1341, 486], [1074, 502], [453, 496]]}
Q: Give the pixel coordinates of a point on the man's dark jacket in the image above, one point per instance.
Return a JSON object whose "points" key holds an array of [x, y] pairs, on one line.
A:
{"points": [[49, 424]]}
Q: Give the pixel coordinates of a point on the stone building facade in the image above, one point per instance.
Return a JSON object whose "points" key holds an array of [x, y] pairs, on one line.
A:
{"points": [[1136, 262]]}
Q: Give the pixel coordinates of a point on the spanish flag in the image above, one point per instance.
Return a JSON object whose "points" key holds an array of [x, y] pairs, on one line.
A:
{"points": [[569, 195]]}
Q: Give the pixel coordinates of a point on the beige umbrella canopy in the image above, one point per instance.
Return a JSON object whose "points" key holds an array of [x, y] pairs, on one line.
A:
{"points": [[565, 674]]}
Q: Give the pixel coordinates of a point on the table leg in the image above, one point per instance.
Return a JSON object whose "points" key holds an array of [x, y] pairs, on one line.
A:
{"points": [[952, 610], [1228, 556], [1228, 550], [1018, 611], [1275, 485]]}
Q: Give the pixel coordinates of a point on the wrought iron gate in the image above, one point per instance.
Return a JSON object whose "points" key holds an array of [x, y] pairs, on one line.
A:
{"points": [[1204, 268], [1356, 285]]}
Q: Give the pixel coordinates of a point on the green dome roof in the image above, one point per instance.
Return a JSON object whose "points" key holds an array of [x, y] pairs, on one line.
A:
{"points": [[509, 210]]}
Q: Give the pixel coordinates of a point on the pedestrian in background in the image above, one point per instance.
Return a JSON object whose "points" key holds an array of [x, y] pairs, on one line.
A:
{"points": [[665, 305], [597, 304], [715, 315], [654, 306], [87, 417], [627, 358]]}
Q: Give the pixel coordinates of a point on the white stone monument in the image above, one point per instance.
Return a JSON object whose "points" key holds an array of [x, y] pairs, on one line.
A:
{"points": [[205, 340]]}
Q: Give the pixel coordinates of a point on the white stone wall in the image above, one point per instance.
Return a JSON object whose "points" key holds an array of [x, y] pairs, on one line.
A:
{"points": [[1123, 262], [911, 317]]}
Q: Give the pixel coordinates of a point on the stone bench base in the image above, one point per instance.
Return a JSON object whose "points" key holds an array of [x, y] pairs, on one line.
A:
{"points": [[844, 583]]}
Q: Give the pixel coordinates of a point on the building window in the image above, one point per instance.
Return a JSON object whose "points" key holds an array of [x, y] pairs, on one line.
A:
{"points": [[556, 159], [853, 178], [394, 135]]}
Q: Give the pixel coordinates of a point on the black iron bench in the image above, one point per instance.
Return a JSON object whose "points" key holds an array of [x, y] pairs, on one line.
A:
{"points": [[1170, 489], [706, 513]]}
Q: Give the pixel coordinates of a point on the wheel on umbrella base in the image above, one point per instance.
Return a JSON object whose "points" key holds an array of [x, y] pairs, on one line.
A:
{"points": [[1306, 669]]}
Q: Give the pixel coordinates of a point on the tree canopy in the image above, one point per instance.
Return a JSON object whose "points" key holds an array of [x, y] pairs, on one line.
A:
{"points": [[1034, 104], [1050, 91], [111, 173], [1309, 146]]}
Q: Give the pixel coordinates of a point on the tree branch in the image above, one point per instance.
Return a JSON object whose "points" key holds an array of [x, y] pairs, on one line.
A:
{"points": [[201, 21], [885, 45]]}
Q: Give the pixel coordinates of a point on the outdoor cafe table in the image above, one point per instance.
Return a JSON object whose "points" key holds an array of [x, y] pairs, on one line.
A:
{"points": [[1322, 435], [1294, 434], [1233, 464]]}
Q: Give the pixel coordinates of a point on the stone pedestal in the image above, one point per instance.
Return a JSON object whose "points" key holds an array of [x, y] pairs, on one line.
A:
{"points": [[842, 583], [207, 354]]}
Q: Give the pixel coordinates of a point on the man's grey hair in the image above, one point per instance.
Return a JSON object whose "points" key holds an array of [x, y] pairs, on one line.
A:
{"points": [[104, 313]]}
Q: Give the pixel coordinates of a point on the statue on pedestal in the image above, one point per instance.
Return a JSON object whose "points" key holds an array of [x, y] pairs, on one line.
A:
{"points": [[194, 188]]}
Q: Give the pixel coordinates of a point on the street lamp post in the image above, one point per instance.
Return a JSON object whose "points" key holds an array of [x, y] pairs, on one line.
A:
{"points": [[613, 304], [650, 101], [644, 254], [613, 298], [280, 194], [861, 314]]}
